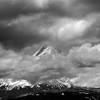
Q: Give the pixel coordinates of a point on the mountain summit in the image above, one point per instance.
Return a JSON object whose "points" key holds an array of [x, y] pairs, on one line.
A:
{"points": [[45, 50]]}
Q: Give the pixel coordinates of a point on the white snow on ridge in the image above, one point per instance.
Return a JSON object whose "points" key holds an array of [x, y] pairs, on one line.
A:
{"points": [[10, 83]]}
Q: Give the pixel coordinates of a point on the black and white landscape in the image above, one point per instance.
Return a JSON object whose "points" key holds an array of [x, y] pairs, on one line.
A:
{"points": [[50, 48]]}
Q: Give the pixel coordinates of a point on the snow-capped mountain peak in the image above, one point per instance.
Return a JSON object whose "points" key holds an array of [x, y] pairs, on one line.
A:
{"points": [[45, 50]]}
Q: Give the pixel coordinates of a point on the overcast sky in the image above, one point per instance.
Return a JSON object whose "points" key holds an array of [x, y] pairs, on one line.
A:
{"points": [[64, 24], [29, 22]]}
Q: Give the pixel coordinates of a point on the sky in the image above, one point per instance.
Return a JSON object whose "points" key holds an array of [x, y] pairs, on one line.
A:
{"points": [[68, 25], [26, 22]]}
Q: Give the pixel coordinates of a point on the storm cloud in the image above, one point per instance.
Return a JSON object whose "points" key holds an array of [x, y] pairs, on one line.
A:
{"points": [[26, 22]]}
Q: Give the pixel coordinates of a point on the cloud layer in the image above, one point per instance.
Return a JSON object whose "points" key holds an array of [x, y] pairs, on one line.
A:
{"points": [[29, 21]]}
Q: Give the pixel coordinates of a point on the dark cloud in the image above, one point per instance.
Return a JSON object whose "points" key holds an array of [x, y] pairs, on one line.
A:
{"points": [[10, 36], [10, 9], [94, 4], [26, 29], [13, 38], [74, 8]]}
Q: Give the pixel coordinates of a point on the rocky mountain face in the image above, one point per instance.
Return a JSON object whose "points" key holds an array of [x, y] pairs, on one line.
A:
{"points": [[45, 50]]}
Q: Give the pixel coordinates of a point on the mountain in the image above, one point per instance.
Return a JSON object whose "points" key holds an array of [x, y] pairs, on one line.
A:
{"points": [[45, 50], [62, 86]]}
